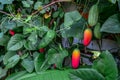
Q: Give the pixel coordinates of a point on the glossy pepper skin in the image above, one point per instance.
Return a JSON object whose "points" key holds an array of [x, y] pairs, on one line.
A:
{"points": [[75, 58], [87, 36], [11, 32]]}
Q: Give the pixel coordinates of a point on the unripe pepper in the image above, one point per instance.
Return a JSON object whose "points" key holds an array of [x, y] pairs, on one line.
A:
{"points": [[75, 58], [87, 36], [97, 32], [93, 15], [11, 32]]}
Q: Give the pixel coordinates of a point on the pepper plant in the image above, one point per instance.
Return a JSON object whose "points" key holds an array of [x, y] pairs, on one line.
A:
{"points": [[59, 39]]}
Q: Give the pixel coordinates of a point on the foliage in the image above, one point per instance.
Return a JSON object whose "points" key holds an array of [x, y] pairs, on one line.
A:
{"points": [[57, 27]]}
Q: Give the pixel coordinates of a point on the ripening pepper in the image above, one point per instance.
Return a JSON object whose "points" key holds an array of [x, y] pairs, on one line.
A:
{"points": [[75, 58], [11, 32], [87, 36]]}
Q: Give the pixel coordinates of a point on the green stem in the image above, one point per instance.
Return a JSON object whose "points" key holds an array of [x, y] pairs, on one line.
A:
{"points": [[54, 26], [60, 46]]}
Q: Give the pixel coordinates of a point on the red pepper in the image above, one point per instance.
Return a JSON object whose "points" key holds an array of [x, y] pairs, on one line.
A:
{"points": [[41, 50], [87, 36], [11, 32], [75, 58]]}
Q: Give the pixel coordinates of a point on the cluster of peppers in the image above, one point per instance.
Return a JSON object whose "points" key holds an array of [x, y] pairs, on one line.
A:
{"points": [[87, 37]]}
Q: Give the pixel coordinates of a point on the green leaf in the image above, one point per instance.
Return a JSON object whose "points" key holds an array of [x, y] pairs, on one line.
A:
{"points": [[112, 1], [27, 30], [44, 66], [16, 76], [56, 14], [24, 55], [1, 6], [7, 56], [12, 61], [35, 54], [71, 17], [16, 42], [3, 72], [29, 17], [9, 24], [28, 64], [46, 75], [37, 5], [4, 40], [42, 30], [6, 1], [27, 3], [1, 34], [1, 58], [112, 24], [29, 46], [76, 29], [41, 63], [57, 58], [85, 74], [38, 61], [33, 38], [106, 65]]}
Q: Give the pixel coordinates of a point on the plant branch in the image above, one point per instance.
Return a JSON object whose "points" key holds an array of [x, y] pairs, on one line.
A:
{"points": [[5, 13], [54, 2]]}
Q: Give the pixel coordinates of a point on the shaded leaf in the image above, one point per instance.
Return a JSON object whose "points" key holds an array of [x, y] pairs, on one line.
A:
{"points": [[37, 5], [71, 17], [12, 61], [1, 6], [33, 38], [16, 75], [85, 74], [25, 55], [4, 40], [38, 61], [6, 1], [57, 58], [47, 75], [1, 34], [3, 72], [29, 46], [16, 42], [7, 56], [76, 29], [28, 64], [112, 24], [27, 3], [9, 24], [1, 58], [106, 65]]}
